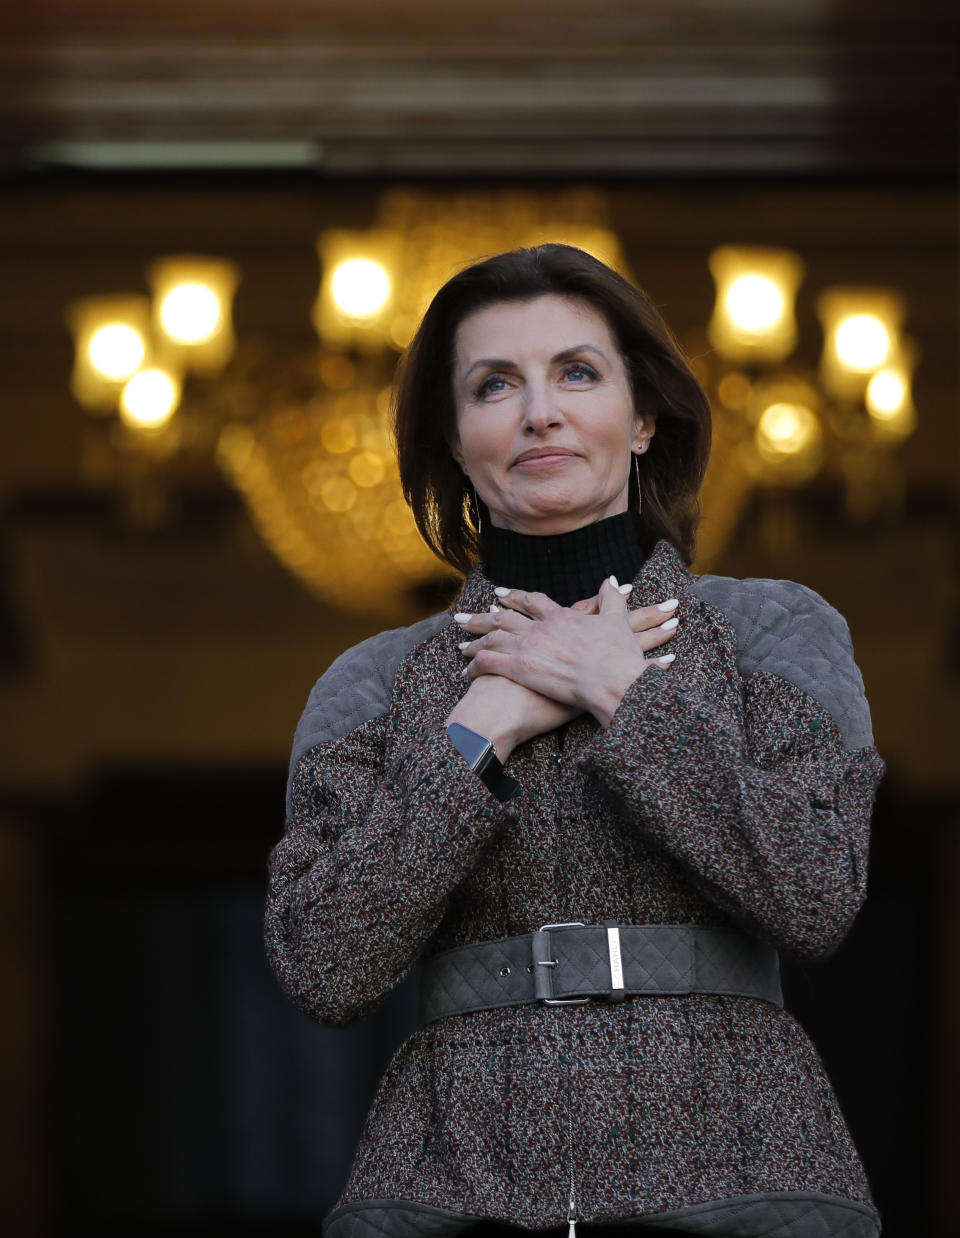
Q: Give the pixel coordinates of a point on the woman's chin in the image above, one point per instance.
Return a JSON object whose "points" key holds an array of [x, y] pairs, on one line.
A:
{"points": [[555, 509], [547, 518]]}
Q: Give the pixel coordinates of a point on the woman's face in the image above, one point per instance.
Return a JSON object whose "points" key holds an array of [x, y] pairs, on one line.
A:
{"points": [[545, 415]]}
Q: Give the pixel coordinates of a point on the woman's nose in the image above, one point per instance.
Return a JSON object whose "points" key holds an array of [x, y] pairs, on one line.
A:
{"points": [[541, 409]]}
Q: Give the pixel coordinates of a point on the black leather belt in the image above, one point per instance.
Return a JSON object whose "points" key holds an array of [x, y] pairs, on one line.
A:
{"points": [[570, 964]]}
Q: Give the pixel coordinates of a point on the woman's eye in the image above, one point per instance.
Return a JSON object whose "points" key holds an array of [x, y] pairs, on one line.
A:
{"points": [[578, 372], [490, 386]]}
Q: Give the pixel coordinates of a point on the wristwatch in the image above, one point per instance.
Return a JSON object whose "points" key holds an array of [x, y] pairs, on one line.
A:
{"points": [[480, 754]]}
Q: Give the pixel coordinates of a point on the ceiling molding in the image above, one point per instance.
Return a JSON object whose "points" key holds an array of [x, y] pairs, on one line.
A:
{"points": [[698, 87]]}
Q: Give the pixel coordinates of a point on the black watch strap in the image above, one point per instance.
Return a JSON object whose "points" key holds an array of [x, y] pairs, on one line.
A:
{"points": [[480, 754]]}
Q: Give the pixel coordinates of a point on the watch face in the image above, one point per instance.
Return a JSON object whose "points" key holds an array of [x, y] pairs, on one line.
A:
{"points": [[480, 755], [475, 749]]}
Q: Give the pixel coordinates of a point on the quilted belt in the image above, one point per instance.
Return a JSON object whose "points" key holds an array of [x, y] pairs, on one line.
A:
{"points": [[570, 964]]}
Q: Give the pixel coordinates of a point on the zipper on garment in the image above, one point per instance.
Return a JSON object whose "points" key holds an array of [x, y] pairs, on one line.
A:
{"points": [[572, 1197], [572, 1202]]}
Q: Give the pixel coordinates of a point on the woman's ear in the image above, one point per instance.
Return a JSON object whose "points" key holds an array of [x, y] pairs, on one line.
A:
{"points": [[644, 429]]}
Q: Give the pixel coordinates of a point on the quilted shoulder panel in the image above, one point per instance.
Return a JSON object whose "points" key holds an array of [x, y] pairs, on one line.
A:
{"points": [[786, 629], [389, 1218], [356, 686]]}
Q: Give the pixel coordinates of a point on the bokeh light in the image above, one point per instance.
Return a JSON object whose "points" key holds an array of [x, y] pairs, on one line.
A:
{"points": [[149, 399], [360, 287], [116, 350], [191, 313], [862, 342], [886, 394], [786, 429], [754, 303]]}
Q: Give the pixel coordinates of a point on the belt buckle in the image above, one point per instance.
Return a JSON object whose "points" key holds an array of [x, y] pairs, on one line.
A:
{"points": [[561, 1001]]}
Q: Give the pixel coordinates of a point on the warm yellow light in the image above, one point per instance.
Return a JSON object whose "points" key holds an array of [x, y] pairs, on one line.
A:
{"points": [[754, 303], [862, 332], [886, 394], [191, 313], [753, 320], [355, 304], [366, 469], [862, 342], [149, 399], [112, 342], [786, 429], [360, 287], [338, 435], [734, 390], [338, 494], [116, 350]]}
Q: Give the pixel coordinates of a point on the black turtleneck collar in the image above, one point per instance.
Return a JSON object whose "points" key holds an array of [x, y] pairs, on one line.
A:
{"points": [[566, 566]]}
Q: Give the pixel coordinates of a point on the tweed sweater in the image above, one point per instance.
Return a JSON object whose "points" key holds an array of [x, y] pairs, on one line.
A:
{"points": [[734, 787]]}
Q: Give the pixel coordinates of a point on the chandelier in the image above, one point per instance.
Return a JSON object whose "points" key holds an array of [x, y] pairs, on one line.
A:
{"points": [[303, 434]]}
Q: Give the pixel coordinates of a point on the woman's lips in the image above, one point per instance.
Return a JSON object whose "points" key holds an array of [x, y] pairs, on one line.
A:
{"points": [[543, 457]]}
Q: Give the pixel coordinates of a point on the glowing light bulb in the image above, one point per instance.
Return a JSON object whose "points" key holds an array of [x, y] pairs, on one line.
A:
{"points": [[754, 303], [360, 287], [785, 429], [191, 313], [149, 400], [886, 394], [862, 342], [116, 350]]}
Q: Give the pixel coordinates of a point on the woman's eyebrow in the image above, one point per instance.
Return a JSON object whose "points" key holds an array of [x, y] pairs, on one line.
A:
{"points": [[569, 353], [490, 363], [501, 363]]}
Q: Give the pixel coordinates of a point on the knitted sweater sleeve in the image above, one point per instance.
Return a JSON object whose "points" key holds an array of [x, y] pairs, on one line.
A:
{"points": [[769, 812], [375, 843]]}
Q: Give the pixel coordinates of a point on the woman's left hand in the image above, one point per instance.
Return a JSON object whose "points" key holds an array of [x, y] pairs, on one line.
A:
{"points": [[579, 659]]}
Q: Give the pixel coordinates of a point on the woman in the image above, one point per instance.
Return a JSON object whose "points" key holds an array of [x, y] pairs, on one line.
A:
{"points": [[537, 757]]}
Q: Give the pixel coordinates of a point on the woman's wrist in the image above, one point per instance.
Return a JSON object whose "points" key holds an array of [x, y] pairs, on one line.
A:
{"points": [[474, 716], [605, 693]]}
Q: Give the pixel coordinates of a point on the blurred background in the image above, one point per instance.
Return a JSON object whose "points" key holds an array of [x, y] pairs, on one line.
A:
{"points": [[218, 224]]}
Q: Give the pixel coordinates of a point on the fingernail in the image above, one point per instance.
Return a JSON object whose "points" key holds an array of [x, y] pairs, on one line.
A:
{"points": [[669, 604], [670, 623], [614, 582], [464, 671], [465, 644], [462, 618], [667, 657], [501, 592], [494, 608], [625, 589]]}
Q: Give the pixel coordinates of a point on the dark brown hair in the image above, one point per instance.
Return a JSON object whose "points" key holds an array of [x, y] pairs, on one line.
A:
{"points": [[671, 471]]}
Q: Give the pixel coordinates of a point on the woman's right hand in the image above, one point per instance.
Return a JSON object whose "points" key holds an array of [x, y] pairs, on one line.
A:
{"points": [[508, 713]]}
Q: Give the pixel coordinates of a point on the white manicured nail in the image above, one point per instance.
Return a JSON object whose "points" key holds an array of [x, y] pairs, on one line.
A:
{"points": [[667, 657], [625, 589], [669, 604], [465, 644], [670, 623], [501, 592], [615, 582], [493, 608], [462, 618]]}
